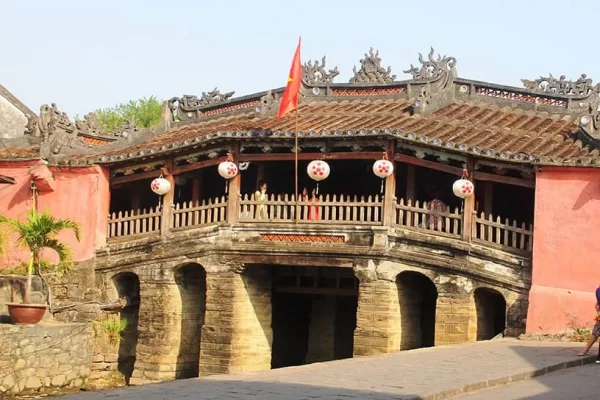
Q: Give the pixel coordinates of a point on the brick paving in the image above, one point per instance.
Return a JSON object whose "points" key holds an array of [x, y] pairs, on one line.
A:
{"points": [[432, 373]]}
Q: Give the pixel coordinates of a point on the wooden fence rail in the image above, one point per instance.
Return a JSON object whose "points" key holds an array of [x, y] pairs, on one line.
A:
{"points": [[421, 216], [336, 209], [508, 235], [134, 222], [347, 210], [207, 212]]}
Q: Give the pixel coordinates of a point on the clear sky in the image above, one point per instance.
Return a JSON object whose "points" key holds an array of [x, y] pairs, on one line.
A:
{"points": [[85, 55]]}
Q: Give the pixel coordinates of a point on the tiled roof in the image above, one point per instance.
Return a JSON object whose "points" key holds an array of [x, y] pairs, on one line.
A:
{"points": [[19, 153], [475, 127]]}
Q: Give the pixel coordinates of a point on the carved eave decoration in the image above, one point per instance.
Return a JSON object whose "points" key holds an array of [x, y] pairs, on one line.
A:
{"points": [[189, 107], [432, 83], [90, 127], [371, 71]]}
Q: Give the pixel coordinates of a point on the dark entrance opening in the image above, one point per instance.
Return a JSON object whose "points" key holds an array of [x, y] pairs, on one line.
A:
{"points": [[314, 315], [417, 296], [191, 280], [128, 287], [491, 313]]}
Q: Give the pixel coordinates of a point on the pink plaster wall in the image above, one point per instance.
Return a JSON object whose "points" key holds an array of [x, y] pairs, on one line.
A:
{"points": [[81, 194], [566, 250]]}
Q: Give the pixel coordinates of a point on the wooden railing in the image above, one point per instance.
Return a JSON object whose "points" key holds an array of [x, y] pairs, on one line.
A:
{"points": [[327, 209], [207, 212], [134, 222], [506, 235], [346, 210], [423, 218]]}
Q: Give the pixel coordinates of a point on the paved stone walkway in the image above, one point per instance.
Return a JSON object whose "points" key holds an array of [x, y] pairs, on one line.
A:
{"points": [[432, 373]]}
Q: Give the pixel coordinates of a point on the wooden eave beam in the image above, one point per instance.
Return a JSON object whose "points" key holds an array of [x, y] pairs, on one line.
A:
{"points": [[428, 164], [509, 180], [373, 155], [7, 179]]}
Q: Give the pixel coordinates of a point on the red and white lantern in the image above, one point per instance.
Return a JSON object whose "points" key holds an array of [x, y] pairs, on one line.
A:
{"points": [[227, 169], [160, 186], [383, 168], [463, 187], [318, 170]]}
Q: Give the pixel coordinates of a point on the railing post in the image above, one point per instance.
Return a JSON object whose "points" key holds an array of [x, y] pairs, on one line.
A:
{"points": [[469, 206], [233, 193], [389, 197], [167, 204]]}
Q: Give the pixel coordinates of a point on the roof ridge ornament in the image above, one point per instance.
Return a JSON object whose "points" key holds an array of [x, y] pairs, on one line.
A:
{"points": [[59, 133], [432, 69], [269, 103], [371, 70], [316, 75], [188, 106], [90, 126], [582, 87]]}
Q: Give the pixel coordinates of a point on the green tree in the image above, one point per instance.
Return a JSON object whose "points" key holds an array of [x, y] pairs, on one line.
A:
{"points": [[146, 112], [39, 232]]}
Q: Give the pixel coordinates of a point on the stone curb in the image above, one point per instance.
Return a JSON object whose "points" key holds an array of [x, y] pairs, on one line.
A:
{"points": [[522, 376]]}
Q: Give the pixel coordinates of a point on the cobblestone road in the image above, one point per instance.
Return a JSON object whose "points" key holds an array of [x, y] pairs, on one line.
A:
{"points": [[571, 384], [414, 374]]}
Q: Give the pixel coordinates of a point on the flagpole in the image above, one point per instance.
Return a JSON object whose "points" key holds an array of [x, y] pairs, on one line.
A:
{"points": [[296, 161]]}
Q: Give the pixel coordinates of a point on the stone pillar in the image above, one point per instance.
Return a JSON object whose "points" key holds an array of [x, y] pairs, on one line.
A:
{"points": [[237, 334], [378, 328], [159, 332], [455, 318], [321, 333]]}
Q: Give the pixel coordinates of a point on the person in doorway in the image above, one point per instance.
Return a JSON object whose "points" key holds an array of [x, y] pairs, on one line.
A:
{"points": [[434, 220], [313, 208], [595, 330], [260, 197]]}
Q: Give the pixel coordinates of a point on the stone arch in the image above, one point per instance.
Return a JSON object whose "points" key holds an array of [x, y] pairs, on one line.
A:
{"points": [[191, 282], [417, 297], [490, 308], [127, 287]]}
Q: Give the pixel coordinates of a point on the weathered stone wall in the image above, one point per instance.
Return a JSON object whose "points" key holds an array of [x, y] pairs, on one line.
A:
{"points": [[36, 358], [12, 120]]}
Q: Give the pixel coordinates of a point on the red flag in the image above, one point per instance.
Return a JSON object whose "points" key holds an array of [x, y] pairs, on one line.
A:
{"points": [[289, 101]]}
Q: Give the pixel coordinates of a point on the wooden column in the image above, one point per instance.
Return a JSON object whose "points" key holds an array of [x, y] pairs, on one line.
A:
{"points": [[233, 193], [196, 184], [488, 197], [135, 200], [167, 201], [469, 207], [410, 182], [389, 198], [260, 173]]}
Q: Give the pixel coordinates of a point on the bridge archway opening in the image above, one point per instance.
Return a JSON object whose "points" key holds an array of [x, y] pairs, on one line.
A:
{"points": [[127, 285], [314, 314], [417, 296], [490, 306], [191, 282]]}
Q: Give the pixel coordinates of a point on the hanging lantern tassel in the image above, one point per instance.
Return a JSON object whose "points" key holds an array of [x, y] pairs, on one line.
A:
{"points": [[317, 191], [227, 169], [383, 168]]}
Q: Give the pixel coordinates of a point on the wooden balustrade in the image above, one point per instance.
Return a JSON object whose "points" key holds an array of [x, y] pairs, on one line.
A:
{"points": [[134, 222], [419, 216], [347, 210], [207, 212], [506, 235], [341, 210]]}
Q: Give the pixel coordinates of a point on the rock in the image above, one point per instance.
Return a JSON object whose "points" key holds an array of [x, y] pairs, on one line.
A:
{"points": [[9, 381], [20, 364], [59, 380], [33, 382]]}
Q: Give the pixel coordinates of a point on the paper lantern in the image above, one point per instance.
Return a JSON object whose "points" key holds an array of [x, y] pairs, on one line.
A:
{"points": [[227, 169], [383, 168], [463, 188], [160, 186], [318, 170]]}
